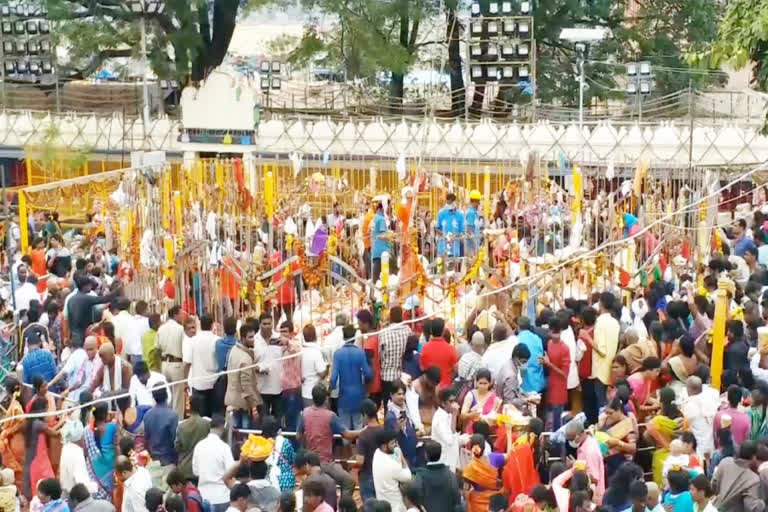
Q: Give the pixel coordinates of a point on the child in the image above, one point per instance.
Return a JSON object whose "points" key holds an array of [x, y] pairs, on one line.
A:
{"points": [[652, 501], [701, 492], [557, 361], [639, 494], [8, 500], [679, 495]]}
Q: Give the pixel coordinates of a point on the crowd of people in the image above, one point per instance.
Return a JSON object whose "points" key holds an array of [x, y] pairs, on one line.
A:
{"points": [[600, 401]]}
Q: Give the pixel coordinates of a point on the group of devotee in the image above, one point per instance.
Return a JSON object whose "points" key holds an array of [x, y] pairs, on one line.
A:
{"points": [[601, 401]]}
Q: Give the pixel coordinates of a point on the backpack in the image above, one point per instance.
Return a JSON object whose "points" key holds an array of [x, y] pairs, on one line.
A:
{"points": [[205, 505]]}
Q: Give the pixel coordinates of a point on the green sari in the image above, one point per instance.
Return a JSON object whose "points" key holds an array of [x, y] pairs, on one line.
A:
{"points": [[758, 423]]}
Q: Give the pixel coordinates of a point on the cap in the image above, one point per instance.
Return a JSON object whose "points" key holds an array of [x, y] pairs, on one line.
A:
{"points": [[475, 195]]}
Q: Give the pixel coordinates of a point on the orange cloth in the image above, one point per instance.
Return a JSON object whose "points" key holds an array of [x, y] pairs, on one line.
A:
{"points": [[481, 474], [39, 268], [519, 475], [230, 279], [12, 442], [367, 228]]}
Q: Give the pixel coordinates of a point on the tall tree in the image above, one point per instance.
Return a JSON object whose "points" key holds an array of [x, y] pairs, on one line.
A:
{"points": [[187, 40], [742, 40]]}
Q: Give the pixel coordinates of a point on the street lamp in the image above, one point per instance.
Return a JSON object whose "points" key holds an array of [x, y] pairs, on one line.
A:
{"points": [[582, 37], [144, 8], [269, 76]]}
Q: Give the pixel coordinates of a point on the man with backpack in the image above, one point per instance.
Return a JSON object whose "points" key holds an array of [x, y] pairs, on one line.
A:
{"points": [[193, 500]]}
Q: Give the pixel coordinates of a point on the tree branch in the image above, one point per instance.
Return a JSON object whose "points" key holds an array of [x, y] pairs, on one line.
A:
{"points": [[97, 60]]}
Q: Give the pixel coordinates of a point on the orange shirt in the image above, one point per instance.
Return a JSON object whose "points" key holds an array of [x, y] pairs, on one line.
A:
{"points": [[39, 268], [404, 215], [367, 228]]}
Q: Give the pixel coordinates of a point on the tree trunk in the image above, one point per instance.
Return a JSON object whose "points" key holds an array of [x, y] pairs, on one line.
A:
{"points": [[396, 93], [453, 34], [397, 86]]}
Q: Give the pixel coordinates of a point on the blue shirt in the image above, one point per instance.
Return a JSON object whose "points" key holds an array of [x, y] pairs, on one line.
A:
{"points": [[350, 372], [406, 439], [682, 502], [379, 227], [223, 346], [741, 246], [450, 221], [534, 379], [160, 424], [474, 227], [38, 362]]}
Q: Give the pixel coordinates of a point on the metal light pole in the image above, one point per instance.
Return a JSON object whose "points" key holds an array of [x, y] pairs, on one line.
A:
{"points": [[581, 86], [144, 8], [144, 73], [581, 37]]}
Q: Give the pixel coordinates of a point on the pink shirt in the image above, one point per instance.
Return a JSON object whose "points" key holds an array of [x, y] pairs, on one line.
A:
{"points": [[739, 425], [324, 507], [589, 452]]}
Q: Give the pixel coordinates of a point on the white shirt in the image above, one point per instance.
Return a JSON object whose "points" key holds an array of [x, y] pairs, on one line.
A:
{"points": [[73, 469], [312, 366], [700, 411], [141, 394], [134, 490], [498, 354], [24, 295], [269, 383], [573, 370], [443, 433], [388, 473], [202, 360], [211, 460], [130, 329]]}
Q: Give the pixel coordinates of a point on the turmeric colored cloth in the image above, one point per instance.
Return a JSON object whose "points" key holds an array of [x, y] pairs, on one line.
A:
{"points": [[12, 442], [485, 483]]}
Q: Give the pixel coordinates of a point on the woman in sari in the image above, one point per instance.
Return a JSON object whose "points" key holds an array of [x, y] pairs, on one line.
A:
{"points": [[482, 473], [480, 404], [101, 451], [37, 462], [644, 384], [758, 413], [12, 435], [40, 388], [661, 430], [130, 421], [616, 435]]}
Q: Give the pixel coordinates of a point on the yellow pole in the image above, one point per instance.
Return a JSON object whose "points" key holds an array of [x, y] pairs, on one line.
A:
{"points": [[718, 336], [487, 192], [23, 220], [28, 164]]}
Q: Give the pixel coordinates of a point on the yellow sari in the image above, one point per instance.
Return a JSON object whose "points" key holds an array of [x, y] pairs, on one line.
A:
{"points": [[485, 483], [12, 442], [662, 429]]}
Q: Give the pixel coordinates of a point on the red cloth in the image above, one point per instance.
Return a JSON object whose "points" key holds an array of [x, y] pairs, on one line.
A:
{"points": [[192, 498], [371, 347], [519, 475], [585, 365], [318, 436], [41, 467], [437, 352], [557, 385], [286, 293]]}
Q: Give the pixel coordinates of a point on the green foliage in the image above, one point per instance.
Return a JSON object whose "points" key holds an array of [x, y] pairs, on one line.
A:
{"points": [[665, 31], [183, 41], [52, 152], [742, 39]]}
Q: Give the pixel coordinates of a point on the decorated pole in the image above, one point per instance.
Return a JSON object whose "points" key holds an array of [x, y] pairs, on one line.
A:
{"points": [[487, 193], [718, 336]]}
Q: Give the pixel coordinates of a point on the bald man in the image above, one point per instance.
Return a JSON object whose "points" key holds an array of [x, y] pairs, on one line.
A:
{"points": [[700, 411], [114, 373], [79, 369]]}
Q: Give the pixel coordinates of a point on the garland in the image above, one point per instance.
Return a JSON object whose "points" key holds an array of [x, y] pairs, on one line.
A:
{"points": [[313, 274]]}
